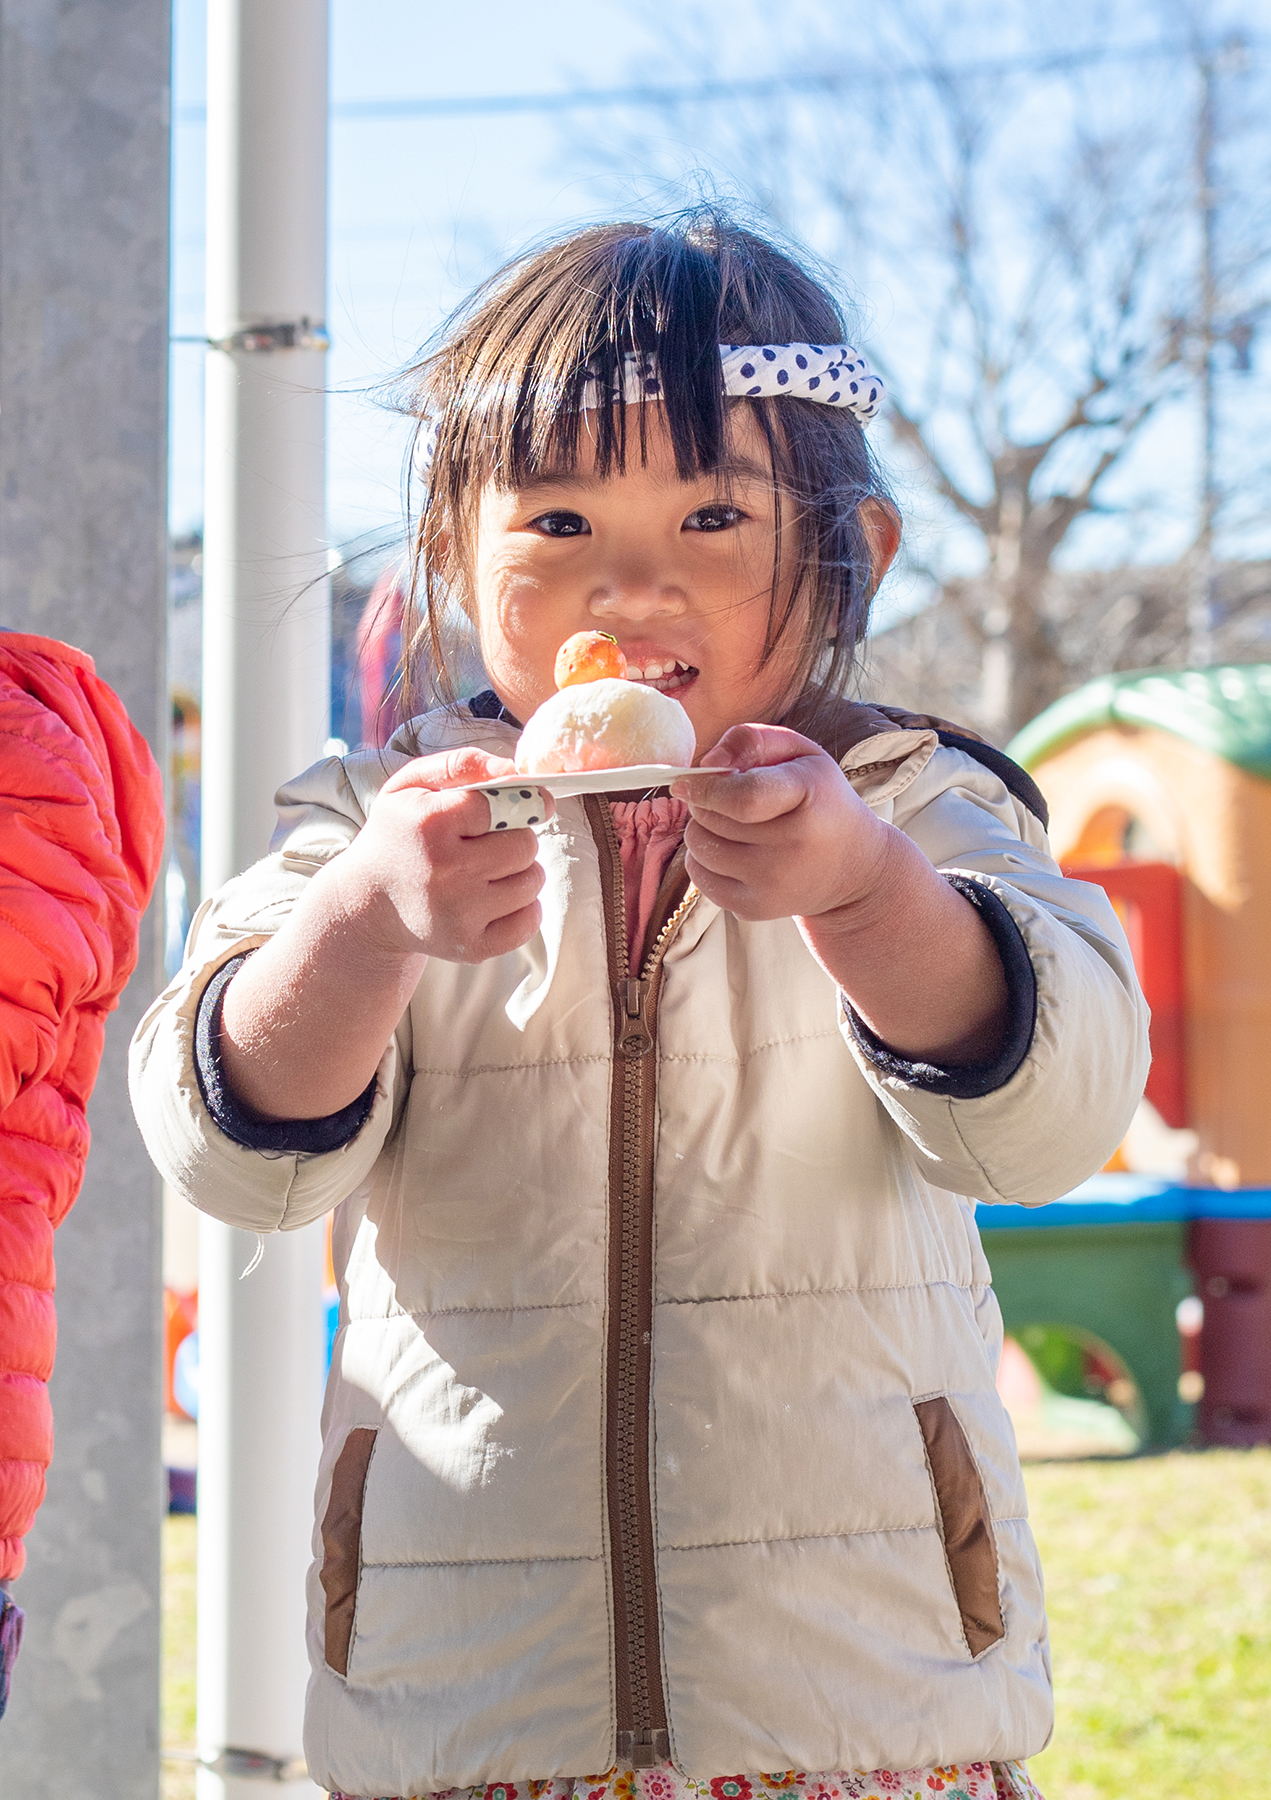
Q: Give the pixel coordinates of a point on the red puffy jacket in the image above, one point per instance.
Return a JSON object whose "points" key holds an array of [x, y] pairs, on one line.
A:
{"points": [[81, 839]]}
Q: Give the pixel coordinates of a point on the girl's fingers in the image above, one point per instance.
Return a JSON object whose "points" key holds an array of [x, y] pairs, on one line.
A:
{"points": [[457, 818], [737, 831], [749, 751], [511, 931], [709, 835], [461, 768], [745, 747], [717, 851], [467, 814], [753, 797], [496, 854], [722, 889], [450, 768], [512, 893]]}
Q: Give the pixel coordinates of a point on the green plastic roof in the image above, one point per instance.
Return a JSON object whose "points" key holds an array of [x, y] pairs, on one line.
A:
{"points": [[1226, 711]]}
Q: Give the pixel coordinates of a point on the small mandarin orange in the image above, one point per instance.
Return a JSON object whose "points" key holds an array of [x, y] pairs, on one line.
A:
{"points": [[589, 656]]}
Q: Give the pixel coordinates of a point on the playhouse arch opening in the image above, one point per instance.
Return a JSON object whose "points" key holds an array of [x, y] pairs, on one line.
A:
{"points": [[1116, 833], [1084, 1390]]}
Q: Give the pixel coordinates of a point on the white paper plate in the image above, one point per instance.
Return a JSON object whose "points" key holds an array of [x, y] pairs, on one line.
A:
{"points": [[590, 781]]}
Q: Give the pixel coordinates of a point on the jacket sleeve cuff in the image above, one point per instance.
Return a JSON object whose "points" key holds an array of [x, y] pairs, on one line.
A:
{"points": [[305, 1137], [969, 1081]]}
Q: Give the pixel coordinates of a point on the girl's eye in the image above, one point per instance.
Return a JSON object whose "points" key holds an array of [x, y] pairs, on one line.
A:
{"points": [[714, 518], [560, 525]]}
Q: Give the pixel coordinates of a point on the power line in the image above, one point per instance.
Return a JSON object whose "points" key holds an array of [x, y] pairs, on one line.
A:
{"points": [[460, 106]]}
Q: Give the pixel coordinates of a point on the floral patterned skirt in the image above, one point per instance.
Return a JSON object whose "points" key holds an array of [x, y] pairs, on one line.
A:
{"points": [[949, 1781]]}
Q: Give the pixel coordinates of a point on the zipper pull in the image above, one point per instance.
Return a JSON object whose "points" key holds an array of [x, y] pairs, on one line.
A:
{"points": [[644, 1749], [634, 1037]]}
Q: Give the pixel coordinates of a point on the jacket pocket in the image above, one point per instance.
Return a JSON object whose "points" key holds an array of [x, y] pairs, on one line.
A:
{"points": [[342, 1545], [965, 1523]]}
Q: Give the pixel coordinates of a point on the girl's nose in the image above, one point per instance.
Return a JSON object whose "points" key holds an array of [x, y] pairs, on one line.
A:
{"points": [[636, 599]]}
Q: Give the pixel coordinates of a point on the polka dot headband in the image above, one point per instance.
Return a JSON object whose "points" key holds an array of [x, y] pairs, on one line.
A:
{"points": [[834, 375], [831, 374]]}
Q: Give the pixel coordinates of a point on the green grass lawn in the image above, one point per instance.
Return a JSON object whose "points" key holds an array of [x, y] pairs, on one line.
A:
{"points": [[1158, 1584], [1158, 1578]]}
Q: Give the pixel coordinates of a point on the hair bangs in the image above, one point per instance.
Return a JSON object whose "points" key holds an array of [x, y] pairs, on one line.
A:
{"points": [[512, 384]]}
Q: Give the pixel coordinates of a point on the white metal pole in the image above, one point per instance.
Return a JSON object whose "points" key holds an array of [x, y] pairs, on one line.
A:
{"points": [[266, 663]]}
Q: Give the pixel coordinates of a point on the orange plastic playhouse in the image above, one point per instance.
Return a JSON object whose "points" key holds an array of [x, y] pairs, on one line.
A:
{"points": [[1159, 788]]}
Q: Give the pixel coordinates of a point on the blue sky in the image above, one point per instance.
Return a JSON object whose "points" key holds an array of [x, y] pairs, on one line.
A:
{"points": [[421, 209]]}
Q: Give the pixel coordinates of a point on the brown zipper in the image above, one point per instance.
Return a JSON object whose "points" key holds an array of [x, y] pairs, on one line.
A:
{"points": [[641, 1707]]}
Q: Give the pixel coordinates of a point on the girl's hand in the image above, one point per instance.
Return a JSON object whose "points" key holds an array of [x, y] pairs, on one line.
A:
{"points": [[427, 877], [787, 836], [306, 1019]]}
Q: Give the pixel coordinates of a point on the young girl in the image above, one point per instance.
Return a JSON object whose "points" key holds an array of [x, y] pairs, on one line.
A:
{"points": [[661, 1436]]}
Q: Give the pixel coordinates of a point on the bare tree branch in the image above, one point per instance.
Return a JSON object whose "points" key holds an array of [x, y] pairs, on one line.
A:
{"points": [[1038, 276]]}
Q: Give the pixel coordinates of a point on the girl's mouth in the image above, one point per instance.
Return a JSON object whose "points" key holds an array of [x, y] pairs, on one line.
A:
{"points": [[667, 674]]}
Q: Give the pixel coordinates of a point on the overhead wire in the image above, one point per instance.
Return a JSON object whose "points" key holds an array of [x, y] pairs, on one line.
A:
{"points": [[456, 106]]}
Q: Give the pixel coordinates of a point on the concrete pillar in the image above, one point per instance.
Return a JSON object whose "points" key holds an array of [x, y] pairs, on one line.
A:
{"points": [[83, 372]]}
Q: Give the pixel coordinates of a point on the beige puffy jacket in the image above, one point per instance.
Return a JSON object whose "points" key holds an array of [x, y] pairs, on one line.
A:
{"points": [[662, 1417]]}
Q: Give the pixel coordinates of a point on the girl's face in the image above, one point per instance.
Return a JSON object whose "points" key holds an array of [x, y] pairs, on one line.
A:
{"points": [[680, 572]]}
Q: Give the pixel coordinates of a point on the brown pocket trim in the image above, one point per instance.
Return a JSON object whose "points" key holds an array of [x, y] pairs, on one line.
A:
{"points": [[965, 1523], [342, 1544]]}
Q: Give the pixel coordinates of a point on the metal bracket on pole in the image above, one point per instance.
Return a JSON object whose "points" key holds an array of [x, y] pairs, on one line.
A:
{"points": [[297, 334], [254, 1765], [294, 334]]}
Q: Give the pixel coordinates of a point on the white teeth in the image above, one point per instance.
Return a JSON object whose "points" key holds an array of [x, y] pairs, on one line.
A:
{"points": [[657, 671]]}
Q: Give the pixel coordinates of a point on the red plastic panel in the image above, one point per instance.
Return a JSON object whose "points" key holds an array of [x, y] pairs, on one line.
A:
{"points": [[1149, 900]]}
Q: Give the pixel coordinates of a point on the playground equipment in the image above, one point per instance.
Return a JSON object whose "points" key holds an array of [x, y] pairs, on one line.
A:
{"points": [[1159, 788], [1090, 1287]]}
